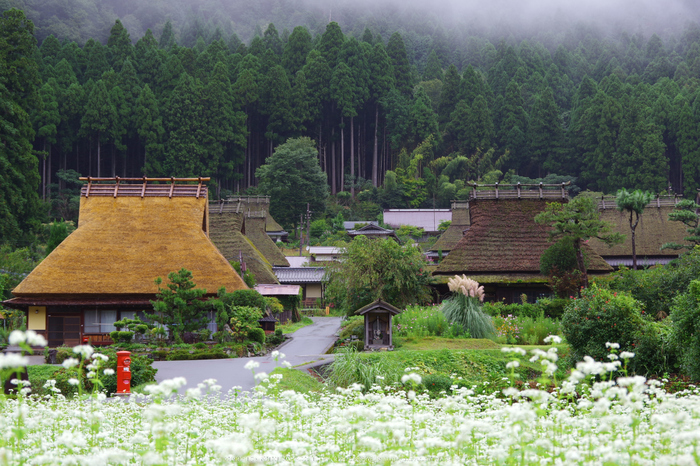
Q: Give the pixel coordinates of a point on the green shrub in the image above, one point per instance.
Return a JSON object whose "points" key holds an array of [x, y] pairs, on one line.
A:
{"points": [[62, 353], [553, 307], [274, 339], [200, 345], [436, 383], [598, 317], [189, 355], [656, 287], [248, 298], [685, 314], [656, 353], [120, 336], [242, 320], [515, 309], [355, 326], [561, 255], [257, 335]]}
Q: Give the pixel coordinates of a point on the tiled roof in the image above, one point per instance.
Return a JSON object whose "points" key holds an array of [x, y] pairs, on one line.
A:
{"points": [[298, 275], [504, 238]]}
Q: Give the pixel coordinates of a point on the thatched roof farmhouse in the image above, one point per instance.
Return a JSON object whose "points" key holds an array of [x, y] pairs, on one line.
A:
{"points": [[129, 233]]}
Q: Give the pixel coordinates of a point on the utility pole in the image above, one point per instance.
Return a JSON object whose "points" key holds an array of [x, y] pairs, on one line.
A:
{"points": [[308, 224], [301, 233]]}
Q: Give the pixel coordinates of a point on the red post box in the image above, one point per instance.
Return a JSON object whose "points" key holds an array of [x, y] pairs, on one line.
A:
{"points": [[123, 372]]}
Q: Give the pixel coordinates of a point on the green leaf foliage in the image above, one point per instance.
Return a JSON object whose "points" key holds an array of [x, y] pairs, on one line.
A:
{"points": [[292, 178], [374, 269], [598, 317]]}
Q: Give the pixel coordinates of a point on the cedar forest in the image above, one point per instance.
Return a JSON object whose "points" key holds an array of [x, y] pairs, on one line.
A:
{"points": [[402, 112]]}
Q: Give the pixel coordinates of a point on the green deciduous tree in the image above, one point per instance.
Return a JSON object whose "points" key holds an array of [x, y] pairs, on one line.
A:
{"points": [[579, 220], [378, 268], [292, 178], [633, 202]]}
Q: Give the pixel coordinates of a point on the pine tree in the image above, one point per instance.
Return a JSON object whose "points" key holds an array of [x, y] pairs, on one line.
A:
{"points": [[167, 37], [545, 135], [99, 116], [119, 44], [296, 50], [689, 149], [433, 68], [331, 43], [380, 83], [449, 95], [396, 49], [149, 126]]}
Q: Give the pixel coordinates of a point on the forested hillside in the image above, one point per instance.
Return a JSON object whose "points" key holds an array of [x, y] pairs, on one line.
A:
{"points": [[414, 112]]}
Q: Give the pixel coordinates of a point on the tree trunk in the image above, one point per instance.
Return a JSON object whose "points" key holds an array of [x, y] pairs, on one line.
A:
{"points": [[342, 156], [43, 174], [352, 157], [98, 154], [580, 262], [633, 227], [48, 175], [333, 185]]}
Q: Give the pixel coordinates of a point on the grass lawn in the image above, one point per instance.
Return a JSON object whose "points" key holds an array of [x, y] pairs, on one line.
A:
{"points": [[438, 343], [292, 327], [299, 381]]}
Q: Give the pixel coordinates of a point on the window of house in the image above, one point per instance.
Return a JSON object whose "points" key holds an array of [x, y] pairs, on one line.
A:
{"points": [[100, 321]]}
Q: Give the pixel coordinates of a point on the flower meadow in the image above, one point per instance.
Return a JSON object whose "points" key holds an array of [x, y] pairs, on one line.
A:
{"points": [[598, 415]]}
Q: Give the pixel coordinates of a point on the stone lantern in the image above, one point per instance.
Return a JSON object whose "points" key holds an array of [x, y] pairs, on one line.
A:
{"points": [[378, 326]]}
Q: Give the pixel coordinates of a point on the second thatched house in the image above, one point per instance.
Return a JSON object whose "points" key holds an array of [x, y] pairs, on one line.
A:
{"points": [[501, 249], [128, 235], [238, 229], [653, 231]]}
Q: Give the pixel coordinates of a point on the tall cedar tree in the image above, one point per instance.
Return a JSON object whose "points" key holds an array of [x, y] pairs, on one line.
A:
{"points": [[20, 212]]}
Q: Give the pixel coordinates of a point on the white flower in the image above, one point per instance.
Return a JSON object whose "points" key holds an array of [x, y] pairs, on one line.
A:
{"points": [[12, 361], [109, 371], [84, 350], [612, 345], [250, 365], [412, 377], [553, 339], [287, 364], [70, 362], [512, 365], [261, 376], [73, 381], [626, 355]]}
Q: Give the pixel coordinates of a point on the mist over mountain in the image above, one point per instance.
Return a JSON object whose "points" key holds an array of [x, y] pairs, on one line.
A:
{"points": [[546, 20]]}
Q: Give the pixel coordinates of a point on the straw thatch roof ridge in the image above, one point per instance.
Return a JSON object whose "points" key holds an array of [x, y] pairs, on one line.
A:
{"points": [[226, 233], [123, 244], [653, 231], [254, 229], [504, 238]]}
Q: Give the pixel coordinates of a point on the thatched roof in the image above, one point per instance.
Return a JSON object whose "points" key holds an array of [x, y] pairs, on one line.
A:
{"points": [[504, 239], [653, 231], [123, 243], [225, 230], [460, 222], [254, 229]]}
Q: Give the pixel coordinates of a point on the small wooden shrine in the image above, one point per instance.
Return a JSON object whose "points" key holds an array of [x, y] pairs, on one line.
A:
{"points": [[378, 316]]}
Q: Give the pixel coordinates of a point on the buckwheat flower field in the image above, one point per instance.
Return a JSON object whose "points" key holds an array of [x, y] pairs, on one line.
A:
{"points": [[614, 420]]}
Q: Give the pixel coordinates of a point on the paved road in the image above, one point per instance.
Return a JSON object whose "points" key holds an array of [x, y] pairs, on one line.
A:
{"points": [[308, 345]]}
